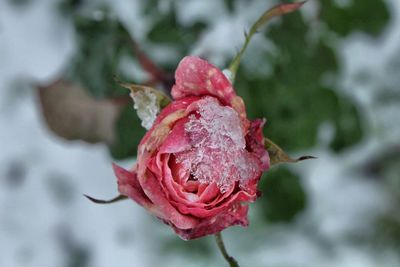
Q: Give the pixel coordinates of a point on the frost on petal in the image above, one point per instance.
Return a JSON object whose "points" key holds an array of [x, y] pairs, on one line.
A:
{"points": [[218, 152], [147, 106], [195, 76]]}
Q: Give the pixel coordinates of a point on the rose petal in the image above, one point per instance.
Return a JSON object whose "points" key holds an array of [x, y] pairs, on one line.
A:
{"points": [[210, 192], [214, 210], [237, 215], [167, 212], [180, 174], [176, 191], [195, 77], [176, 141], [172, 108], [255, 142], [198, 209], [129, 186]]}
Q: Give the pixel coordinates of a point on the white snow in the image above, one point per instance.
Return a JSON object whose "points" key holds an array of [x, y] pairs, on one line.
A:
{"points": [[147, 106], [218, 151]]}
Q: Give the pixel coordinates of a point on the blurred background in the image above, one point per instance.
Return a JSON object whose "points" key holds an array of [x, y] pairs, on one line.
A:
{"points": [[325, 77]]}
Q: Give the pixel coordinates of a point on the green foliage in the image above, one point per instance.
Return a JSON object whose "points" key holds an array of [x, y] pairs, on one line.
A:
{"points": [[347, 124], [166, 31], [229, 5], [369, 16], [129, 134], [294, 98], [101, 46], [388, 230], [282, 195], [69, 6]]}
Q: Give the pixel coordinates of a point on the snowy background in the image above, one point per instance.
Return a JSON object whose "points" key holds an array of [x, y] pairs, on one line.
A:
{"points": [[46, 221]]}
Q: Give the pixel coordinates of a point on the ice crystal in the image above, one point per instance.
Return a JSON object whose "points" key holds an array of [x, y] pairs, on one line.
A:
{"points": [[218, 151], [146, 105]]}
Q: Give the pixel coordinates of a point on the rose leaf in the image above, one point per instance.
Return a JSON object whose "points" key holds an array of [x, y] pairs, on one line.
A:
{"points": [[277, 155]]}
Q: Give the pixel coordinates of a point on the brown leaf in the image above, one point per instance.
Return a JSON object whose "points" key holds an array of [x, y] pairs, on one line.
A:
{"points": [[74, 115], [277, 155]]}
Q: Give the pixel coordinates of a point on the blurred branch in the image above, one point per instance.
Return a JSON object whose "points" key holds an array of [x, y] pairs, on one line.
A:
{"points": [[157, 74]]}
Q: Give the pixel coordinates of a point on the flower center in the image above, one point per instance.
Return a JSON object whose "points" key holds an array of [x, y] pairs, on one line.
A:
{"points": [[218, 151]]}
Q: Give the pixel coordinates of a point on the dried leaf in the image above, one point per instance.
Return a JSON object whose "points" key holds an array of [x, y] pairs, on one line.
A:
{"points": [[147, 102], [110, 201], [74, 115], [277, 155]]}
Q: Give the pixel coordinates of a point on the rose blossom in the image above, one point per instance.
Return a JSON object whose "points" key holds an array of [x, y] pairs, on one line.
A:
{"points": [[199, 164]]}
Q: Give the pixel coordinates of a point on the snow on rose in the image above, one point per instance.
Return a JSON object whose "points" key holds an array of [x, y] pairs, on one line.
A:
{"points": [[199, 164]]}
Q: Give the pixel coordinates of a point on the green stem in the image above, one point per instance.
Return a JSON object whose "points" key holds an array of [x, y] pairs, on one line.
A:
{"points": [[220, 242], [233, 67], [262, 20]]}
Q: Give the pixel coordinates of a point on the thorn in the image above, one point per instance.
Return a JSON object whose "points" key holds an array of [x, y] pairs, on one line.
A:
{"points": [[246, 35]]}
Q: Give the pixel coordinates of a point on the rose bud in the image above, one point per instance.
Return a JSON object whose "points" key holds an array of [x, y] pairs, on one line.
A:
{"points": [[199, 164]]}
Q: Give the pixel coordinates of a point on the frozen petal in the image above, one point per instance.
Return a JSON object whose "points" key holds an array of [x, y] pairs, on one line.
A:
{"points": [[176, 140], [152, 188], [195, 76]]}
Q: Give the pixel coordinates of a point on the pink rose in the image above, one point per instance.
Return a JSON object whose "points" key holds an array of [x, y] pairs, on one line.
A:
{"points": [[199, 164]]}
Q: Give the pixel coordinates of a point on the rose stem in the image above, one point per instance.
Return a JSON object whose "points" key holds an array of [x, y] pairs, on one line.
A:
{"points": [[277, 10], [220, 242]]}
